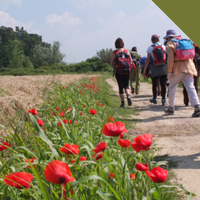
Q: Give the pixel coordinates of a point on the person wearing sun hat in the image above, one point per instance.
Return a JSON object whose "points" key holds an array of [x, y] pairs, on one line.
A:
{"points": [[180, 71], [157, 72]]}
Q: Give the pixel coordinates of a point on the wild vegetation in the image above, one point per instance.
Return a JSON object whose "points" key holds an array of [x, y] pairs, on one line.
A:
{"points": [[73, 148]]}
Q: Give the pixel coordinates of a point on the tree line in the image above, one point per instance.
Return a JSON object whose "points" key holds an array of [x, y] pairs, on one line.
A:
{"points": [[20, 50]]}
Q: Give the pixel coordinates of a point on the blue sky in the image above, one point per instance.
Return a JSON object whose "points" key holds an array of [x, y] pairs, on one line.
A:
{"points": [[86, 26]]}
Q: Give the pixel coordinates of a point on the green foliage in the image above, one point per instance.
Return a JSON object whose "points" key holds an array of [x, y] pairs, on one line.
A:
{"points": [[26, 54], [18, 49], [92, 178], [104, 55]]}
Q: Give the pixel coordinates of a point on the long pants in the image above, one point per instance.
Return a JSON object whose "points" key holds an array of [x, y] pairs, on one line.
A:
{"points": [[135, 79], [162, 84], [185, 95], [187, 80]]}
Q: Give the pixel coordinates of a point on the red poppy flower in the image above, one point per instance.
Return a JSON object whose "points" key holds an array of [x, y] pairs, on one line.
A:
{"points": [[53, 113], [70, 149], [124, 143], [31, 161], [95, 101], [114, 129], [80, 92], [58, 172], [142, 142], [57, 108], [69, 108], [63, 87], [83, 95], [75, 122], [122, 136], [75, 101], [132, 176], [112, 175], [110, 119], [64, 191], [99, 104], [64, 121], [102, 104], [101, 146], [40, 122], [157, 174], [93, 112], [70, 121], [99, 156], [62, 114], [33, 111], [19, 180], [84, 106], [80, 113], [141, 167], [96, 150], [2, 147], [81, 158]]}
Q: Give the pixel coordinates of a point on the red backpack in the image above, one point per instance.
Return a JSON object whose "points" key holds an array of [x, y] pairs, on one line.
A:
{"points": [[159, 55], [123, 61]]}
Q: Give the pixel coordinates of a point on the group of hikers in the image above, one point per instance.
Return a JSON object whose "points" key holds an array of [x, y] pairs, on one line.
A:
{"points": [[168, 64]]}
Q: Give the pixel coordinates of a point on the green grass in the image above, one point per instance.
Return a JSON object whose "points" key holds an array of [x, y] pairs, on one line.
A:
{"points": [[113, 101]]}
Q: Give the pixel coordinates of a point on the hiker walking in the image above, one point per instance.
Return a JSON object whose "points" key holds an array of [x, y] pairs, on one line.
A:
{"points": [[135, 73], [156, 55], [180, 68], [121, 62], [196, 61]]}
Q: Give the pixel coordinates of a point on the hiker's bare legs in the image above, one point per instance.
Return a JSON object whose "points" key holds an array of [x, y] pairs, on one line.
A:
{"points": [[122, 97]]}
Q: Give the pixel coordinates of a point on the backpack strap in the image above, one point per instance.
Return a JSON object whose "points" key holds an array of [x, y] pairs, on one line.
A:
{"points": [[174, 40], [116, 52], [125, 50]]}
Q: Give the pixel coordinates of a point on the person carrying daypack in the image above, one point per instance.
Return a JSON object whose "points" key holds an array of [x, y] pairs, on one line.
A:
{"points": [[180, 70], [121, 62], [135, 73], [156, 55], [196, 61]]}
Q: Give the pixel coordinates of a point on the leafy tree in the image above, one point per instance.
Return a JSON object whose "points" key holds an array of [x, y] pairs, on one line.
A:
{"points": [[104, 55], [57, 56], [42, 56]]}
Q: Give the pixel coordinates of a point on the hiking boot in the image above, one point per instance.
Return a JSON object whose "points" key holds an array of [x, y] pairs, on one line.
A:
{"points": [[122, 106], [129, 101], [169, 111], [154, 101], [132, 90], [164, 102], [196, 112]]}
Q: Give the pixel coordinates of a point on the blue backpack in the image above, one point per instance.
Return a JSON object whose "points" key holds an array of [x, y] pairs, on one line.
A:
{"points": [[184, 50]]}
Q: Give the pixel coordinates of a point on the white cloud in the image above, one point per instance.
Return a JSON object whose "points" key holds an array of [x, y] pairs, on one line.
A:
{"points": [[83, 4], [4, 4], [66, 19], [8, 21]]}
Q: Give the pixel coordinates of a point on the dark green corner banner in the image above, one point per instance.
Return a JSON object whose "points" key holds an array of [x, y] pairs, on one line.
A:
{"points": [[185, 14]]}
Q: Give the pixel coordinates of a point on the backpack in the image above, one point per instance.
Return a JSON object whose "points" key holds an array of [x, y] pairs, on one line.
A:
{"points": [[135, 63], [123, 61], [184, 50], [159, 55]]}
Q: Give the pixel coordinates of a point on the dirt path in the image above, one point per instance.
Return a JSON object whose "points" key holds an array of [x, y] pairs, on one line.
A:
{"points": [[179, 134]]}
